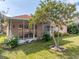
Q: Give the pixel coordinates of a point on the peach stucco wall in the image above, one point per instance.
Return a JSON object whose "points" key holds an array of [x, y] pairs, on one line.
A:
{"points": [[39, 30], [18, 31]]}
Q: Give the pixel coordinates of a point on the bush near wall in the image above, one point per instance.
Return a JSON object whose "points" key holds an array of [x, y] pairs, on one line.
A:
{"points": [[46, 37], [11, 43], [72, 29]]}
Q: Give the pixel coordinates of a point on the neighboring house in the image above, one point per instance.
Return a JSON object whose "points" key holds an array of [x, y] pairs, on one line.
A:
{"points": [[76, 20], [19, 26], [1, 23]]}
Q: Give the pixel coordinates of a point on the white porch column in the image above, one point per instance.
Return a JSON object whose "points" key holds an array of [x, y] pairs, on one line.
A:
{"points": [[8, 25], [34, 32], [9, 29]]}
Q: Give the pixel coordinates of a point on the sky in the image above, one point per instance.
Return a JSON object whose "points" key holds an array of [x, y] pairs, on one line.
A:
{"points": [[21, 7]]}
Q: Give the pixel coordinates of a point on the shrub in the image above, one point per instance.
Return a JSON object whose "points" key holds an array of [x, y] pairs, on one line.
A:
{"points": [[65, 34], [56, 34], [11, 43], [46, 37], [72, 29]]}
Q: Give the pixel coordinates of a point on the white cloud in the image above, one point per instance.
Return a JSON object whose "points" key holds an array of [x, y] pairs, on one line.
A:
{"points": [[71, 1], [8, 15], [77, 8]]}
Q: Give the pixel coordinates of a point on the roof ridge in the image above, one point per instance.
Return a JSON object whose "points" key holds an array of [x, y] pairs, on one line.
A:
{"points": [[23, 16]]}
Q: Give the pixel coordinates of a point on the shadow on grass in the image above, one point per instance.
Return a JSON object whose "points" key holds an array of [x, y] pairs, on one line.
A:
{"points": [[33, 47], [1, 56], [37, 46], [64, 42], [70, 53], [70, 36]]}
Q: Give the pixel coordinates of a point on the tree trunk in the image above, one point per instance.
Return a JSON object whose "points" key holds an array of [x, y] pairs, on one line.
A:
{"points": [[58, 38], [55, 42]]}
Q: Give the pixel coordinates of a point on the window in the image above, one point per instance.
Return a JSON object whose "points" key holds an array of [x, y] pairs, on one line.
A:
{"points": [[30, 35], [47, 28], [20, 26], [26, 26], [26, 36]]}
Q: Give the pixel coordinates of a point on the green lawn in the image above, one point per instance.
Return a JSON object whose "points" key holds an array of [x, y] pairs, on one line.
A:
{"points": [[2, 38], [41, 50]]}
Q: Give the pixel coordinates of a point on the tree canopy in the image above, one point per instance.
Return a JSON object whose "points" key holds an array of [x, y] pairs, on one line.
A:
{"points": [[53, 10]]}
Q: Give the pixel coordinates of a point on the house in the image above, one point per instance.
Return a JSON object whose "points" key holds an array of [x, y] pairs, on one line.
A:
{"points": [[19, 26]]}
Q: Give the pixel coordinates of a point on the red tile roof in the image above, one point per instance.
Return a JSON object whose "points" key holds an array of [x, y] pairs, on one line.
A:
{"points": [[23, 16]]}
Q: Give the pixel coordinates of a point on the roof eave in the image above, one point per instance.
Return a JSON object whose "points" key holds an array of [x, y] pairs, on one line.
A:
{"points": [[12, 18]]}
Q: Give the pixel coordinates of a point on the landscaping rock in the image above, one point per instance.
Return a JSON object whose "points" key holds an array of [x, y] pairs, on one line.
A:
{"points": [[59, 48]]}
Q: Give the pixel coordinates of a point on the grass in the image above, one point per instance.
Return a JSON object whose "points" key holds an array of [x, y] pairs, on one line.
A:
{"points": [[41, 50], [2, 38]]}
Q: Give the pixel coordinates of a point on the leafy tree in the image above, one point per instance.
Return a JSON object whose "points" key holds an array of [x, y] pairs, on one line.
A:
{"points": [[1, 18], [54, 11], [76, 21]]}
